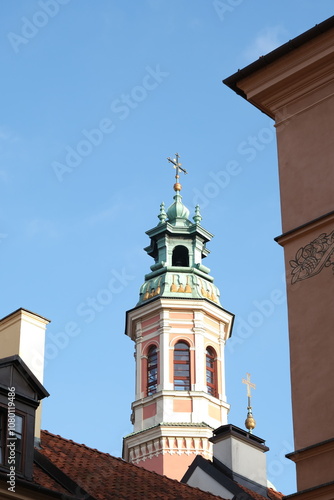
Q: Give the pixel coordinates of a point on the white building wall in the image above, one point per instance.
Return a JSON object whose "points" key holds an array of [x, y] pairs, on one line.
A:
{"points": [[242, 458], [207, 483]]}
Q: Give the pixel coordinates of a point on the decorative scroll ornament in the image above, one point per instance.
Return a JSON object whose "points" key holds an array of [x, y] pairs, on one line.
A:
{"points": [[312, 258]]}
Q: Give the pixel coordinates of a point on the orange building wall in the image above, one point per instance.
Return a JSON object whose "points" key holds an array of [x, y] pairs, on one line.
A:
{"points": [[211, 323], [311, 319], [296, 88], [150, 321], [305, 153], [149, 411], [173, 466], [306, 159], [154, 464], [307, 192], [182, 405], [184, 315], [214, 412]]}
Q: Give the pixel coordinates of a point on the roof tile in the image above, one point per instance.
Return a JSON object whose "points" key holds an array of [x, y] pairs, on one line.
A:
{"points": [[105, 477], [272, 494], [43, 479]]}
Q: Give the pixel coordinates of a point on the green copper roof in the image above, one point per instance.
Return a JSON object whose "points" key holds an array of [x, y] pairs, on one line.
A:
{"points": [[178, 247], [178, 213]]}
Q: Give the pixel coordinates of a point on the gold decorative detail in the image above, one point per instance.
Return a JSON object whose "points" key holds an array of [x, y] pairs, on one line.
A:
{"points": [[250, 422], [188, 287], [146, 296], [158, 289], [211, 295], [181, 289], [173, 287]]}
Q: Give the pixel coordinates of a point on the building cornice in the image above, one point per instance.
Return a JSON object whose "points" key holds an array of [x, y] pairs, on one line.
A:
{"points": [[288, 71], [304, 229]]}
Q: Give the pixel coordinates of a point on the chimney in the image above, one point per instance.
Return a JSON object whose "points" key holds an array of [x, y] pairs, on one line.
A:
{"points": [[23, 333], [243, 454]]}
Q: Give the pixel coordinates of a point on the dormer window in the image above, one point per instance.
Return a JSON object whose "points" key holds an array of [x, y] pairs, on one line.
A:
{"points": [[20, 393], [11, 439], [18, 440], [3, 425], [180, 256]]}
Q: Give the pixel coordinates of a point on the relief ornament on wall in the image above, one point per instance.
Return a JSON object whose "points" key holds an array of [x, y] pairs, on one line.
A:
{"points": [[312, 258]]}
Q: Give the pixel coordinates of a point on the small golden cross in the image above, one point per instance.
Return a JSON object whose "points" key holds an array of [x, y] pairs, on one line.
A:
{"points": [[249, 385]]}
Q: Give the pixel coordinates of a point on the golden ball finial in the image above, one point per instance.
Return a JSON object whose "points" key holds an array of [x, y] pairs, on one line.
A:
{"points": [[250, 421], [177, 186]]}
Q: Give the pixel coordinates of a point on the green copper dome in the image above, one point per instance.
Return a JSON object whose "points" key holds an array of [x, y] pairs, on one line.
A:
{"points": [[178, 247], [177, 212]]}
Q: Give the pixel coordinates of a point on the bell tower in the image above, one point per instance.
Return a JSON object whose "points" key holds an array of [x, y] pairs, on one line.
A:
{"points": [[179, 328]]}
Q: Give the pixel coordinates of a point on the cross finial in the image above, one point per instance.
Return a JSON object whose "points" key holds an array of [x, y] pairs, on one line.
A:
{"points": [[177, 166], [249, 422], [249, 386]]}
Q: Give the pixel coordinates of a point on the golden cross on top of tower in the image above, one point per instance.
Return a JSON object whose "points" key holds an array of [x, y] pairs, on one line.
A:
{"points": [[249, 422], [249, 385]]}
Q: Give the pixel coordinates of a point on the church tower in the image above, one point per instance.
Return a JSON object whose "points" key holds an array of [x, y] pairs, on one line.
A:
{"points": [[179, 328]]}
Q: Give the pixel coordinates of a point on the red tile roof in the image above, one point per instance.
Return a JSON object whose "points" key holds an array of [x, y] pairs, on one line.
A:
{"points": [[43, 479], [105, 477], [275, 495], [272, 494]]}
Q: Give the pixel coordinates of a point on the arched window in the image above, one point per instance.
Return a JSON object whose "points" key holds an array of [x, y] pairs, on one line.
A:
{"points": [[181, 367], [211, 372], [180, 256], [152, 370]]}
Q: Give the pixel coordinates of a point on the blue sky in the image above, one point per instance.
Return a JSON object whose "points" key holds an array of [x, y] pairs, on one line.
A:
{"points": [[95, 96]]}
